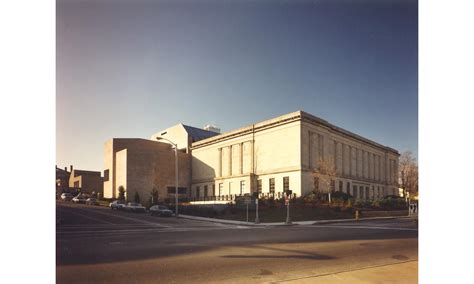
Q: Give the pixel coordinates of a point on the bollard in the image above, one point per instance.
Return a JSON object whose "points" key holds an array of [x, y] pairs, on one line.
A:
{"points": [[357, 215]]}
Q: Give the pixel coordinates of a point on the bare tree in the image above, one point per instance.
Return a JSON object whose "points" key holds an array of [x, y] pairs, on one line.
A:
{"points": [[326, 173], [154, 195], [408, 173]]}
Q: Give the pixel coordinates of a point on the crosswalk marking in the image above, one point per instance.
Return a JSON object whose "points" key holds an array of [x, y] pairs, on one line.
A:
{"points": [[108, 233]]}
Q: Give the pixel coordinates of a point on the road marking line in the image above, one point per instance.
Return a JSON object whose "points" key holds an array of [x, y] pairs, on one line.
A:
{"points": [[128, 218], [367, 227], [92, 218], [118, 233]]}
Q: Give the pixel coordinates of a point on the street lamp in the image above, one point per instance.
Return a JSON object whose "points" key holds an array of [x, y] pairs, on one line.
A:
{"points": [[176, 170]]}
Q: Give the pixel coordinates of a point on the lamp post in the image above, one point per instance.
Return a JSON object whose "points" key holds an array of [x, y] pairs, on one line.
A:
{"points": [[176, 170]]}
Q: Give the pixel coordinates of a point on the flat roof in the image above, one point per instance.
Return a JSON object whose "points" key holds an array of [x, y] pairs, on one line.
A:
{"points": [[290, 117]]}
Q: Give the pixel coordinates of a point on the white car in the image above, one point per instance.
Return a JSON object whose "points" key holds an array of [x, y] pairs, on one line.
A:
{"points": [[66, 196], [117, 204], [80, 198], [134, 207]]}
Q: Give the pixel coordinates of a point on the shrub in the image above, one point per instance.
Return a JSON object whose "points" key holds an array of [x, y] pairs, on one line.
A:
{"points": [[375, 203], [340, 195], [392, 203], [349, 203], [359, 203], [121, 191]]}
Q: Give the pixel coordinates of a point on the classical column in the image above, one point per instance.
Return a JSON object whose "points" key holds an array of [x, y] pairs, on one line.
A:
{"points": [[220, 162], [241, 167], [230, 160]]}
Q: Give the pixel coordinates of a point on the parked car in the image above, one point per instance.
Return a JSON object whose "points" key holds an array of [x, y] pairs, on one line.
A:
{"points": [[160, 210], [66, 196], [92, 201], [80, 198], [134, 207], [117, 205]]}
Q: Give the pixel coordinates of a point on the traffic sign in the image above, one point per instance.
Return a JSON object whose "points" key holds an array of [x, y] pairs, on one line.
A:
{"points": [[413, 209]]}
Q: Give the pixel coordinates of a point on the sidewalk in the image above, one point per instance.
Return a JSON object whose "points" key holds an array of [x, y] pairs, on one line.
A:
{"points": [[315, 222], [405, 272]]}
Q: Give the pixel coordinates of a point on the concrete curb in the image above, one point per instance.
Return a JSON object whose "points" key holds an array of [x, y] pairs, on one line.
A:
{"points": [[316, 222]]}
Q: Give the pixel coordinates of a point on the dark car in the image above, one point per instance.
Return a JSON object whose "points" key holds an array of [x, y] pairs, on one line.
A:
{"points": [[160, 210], [117, 204], [92, 201], [134, 207]]}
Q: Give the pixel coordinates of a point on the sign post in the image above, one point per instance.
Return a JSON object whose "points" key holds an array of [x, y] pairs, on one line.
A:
{"points": [[287, 203], [247, 213], [413, 209]]}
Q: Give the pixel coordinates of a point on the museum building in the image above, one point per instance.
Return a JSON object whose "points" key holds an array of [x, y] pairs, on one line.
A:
{"points": [[268, 157]]}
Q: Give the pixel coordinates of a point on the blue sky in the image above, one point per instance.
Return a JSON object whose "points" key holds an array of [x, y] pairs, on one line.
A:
{"points": [[131, 68]]}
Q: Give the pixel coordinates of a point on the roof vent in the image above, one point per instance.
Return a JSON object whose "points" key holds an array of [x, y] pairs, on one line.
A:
{"points": [[212, 128]]}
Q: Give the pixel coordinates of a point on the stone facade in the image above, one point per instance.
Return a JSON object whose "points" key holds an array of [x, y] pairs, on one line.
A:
{"points": [[139, 165], [283, 153]]}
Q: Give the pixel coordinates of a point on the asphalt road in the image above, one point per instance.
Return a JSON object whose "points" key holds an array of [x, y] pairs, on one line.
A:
{"points": [[100, 245]]}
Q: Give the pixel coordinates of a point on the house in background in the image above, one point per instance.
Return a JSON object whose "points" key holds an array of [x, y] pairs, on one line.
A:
{"points": [[62, 180]]}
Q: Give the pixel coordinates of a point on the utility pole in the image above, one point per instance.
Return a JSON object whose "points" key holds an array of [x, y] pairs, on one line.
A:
{"points": [[176, 170], [257, 220]]}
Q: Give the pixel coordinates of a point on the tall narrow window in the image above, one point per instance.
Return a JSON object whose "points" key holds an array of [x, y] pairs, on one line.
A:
{"points": [[259, 186], [367, 192], [272, 185], [320, 146], [286, 183], [205, 191], [333, 185], [242, 187], [213, 190], [198, 193], [348, 188], [357, 162], [341, 185], [361, 192], [221, 188], [354, 191]]}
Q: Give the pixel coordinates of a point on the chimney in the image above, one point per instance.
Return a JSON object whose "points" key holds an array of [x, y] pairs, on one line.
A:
{"points": [[71, 168], [65, 169]]}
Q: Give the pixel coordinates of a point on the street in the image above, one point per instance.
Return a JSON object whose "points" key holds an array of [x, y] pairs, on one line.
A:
{"points": [[100, 245]]}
